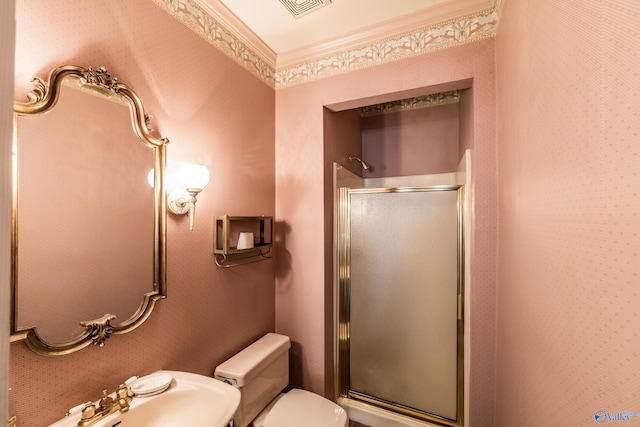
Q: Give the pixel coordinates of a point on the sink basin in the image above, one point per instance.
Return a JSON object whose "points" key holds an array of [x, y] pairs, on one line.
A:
{"points": [[190, 400]]}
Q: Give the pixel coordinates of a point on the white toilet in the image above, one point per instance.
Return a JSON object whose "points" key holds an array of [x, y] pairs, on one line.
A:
{"points": [[261, 372]]}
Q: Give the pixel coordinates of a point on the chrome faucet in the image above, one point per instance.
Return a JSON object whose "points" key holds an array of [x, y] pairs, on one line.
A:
{"points": [[92, 413]]}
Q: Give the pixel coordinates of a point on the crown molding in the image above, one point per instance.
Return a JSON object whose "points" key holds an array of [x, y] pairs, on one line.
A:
{"points": [[371, 47], [238, 29], [381, 31], [450, 34]]}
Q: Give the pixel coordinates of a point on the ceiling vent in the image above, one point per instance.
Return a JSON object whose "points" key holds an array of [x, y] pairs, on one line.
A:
{"points": [[299, 8]]}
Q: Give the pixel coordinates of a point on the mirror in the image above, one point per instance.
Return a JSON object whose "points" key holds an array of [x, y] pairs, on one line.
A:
{"points": [[89, 232]]}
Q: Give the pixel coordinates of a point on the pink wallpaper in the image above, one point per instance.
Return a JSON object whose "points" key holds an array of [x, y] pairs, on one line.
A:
{"points": [[569, 208], [302, 160], [413, 142], [215, 113]]}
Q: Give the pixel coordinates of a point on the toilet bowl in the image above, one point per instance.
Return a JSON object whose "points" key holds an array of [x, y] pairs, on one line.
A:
{"points": [[261, 372]]}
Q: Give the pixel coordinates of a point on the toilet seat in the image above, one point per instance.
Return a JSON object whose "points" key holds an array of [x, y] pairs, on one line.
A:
{"points": [[303, 408]]}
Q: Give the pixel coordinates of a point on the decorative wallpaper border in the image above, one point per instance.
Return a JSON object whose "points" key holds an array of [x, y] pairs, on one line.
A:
{"points": [[406, 104], [448, 34]]}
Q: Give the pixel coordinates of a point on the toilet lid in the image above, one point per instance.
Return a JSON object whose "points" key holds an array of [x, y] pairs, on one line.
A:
{"points": [[303, 408]]}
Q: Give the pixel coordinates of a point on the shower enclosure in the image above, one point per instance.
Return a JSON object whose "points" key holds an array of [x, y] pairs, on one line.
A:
{"points": [[400, 299]]}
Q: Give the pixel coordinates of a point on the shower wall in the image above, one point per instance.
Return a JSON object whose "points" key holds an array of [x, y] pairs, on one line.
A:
{"points": [[412, 142]]}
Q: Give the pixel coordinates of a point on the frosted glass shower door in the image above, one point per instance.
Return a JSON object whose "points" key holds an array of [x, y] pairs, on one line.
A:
{"points": [[404, 268]]}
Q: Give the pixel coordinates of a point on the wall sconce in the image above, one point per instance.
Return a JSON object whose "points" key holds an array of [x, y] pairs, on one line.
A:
{"points": [[184, 184], [183, 200]]}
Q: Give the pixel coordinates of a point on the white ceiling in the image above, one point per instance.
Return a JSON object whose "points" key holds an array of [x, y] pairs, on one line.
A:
{"points": [[270, 28]]}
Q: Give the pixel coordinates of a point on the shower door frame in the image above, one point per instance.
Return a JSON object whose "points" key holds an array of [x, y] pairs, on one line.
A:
{"points": [[343, 304]]}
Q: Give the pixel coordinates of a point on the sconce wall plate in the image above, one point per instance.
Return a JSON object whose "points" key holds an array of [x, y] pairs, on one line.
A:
{"points": [[182, 200], [177, 201]]}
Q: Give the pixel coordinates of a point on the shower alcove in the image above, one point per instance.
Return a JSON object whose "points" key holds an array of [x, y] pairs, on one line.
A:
{"points": [[417, 142]]}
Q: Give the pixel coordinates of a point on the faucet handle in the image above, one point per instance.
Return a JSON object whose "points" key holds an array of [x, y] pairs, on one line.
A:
{"points": [[88, 411], [123, 391], [105, 401], [122, 395]]}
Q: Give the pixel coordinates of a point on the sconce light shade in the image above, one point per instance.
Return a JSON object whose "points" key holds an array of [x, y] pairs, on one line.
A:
{"points": [[194, 176]]}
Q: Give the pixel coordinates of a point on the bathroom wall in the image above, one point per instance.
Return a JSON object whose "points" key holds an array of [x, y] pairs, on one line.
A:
{"points": [[569, 210], [215, 113], [301, 160], [343, 135], [412, 142], [465, 120]]}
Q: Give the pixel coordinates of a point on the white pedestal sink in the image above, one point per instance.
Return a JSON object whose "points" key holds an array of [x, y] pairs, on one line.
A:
{"points": [[190, 400]]}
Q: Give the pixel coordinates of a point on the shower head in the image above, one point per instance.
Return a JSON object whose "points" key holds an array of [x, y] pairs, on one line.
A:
{"points": [[364, 164]]}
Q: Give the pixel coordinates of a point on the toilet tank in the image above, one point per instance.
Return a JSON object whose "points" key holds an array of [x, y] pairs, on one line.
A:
{"points": [[260, 371]]}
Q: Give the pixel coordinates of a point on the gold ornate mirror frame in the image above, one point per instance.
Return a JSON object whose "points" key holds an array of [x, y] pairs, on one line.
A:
{"points": [[43, 98]]}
